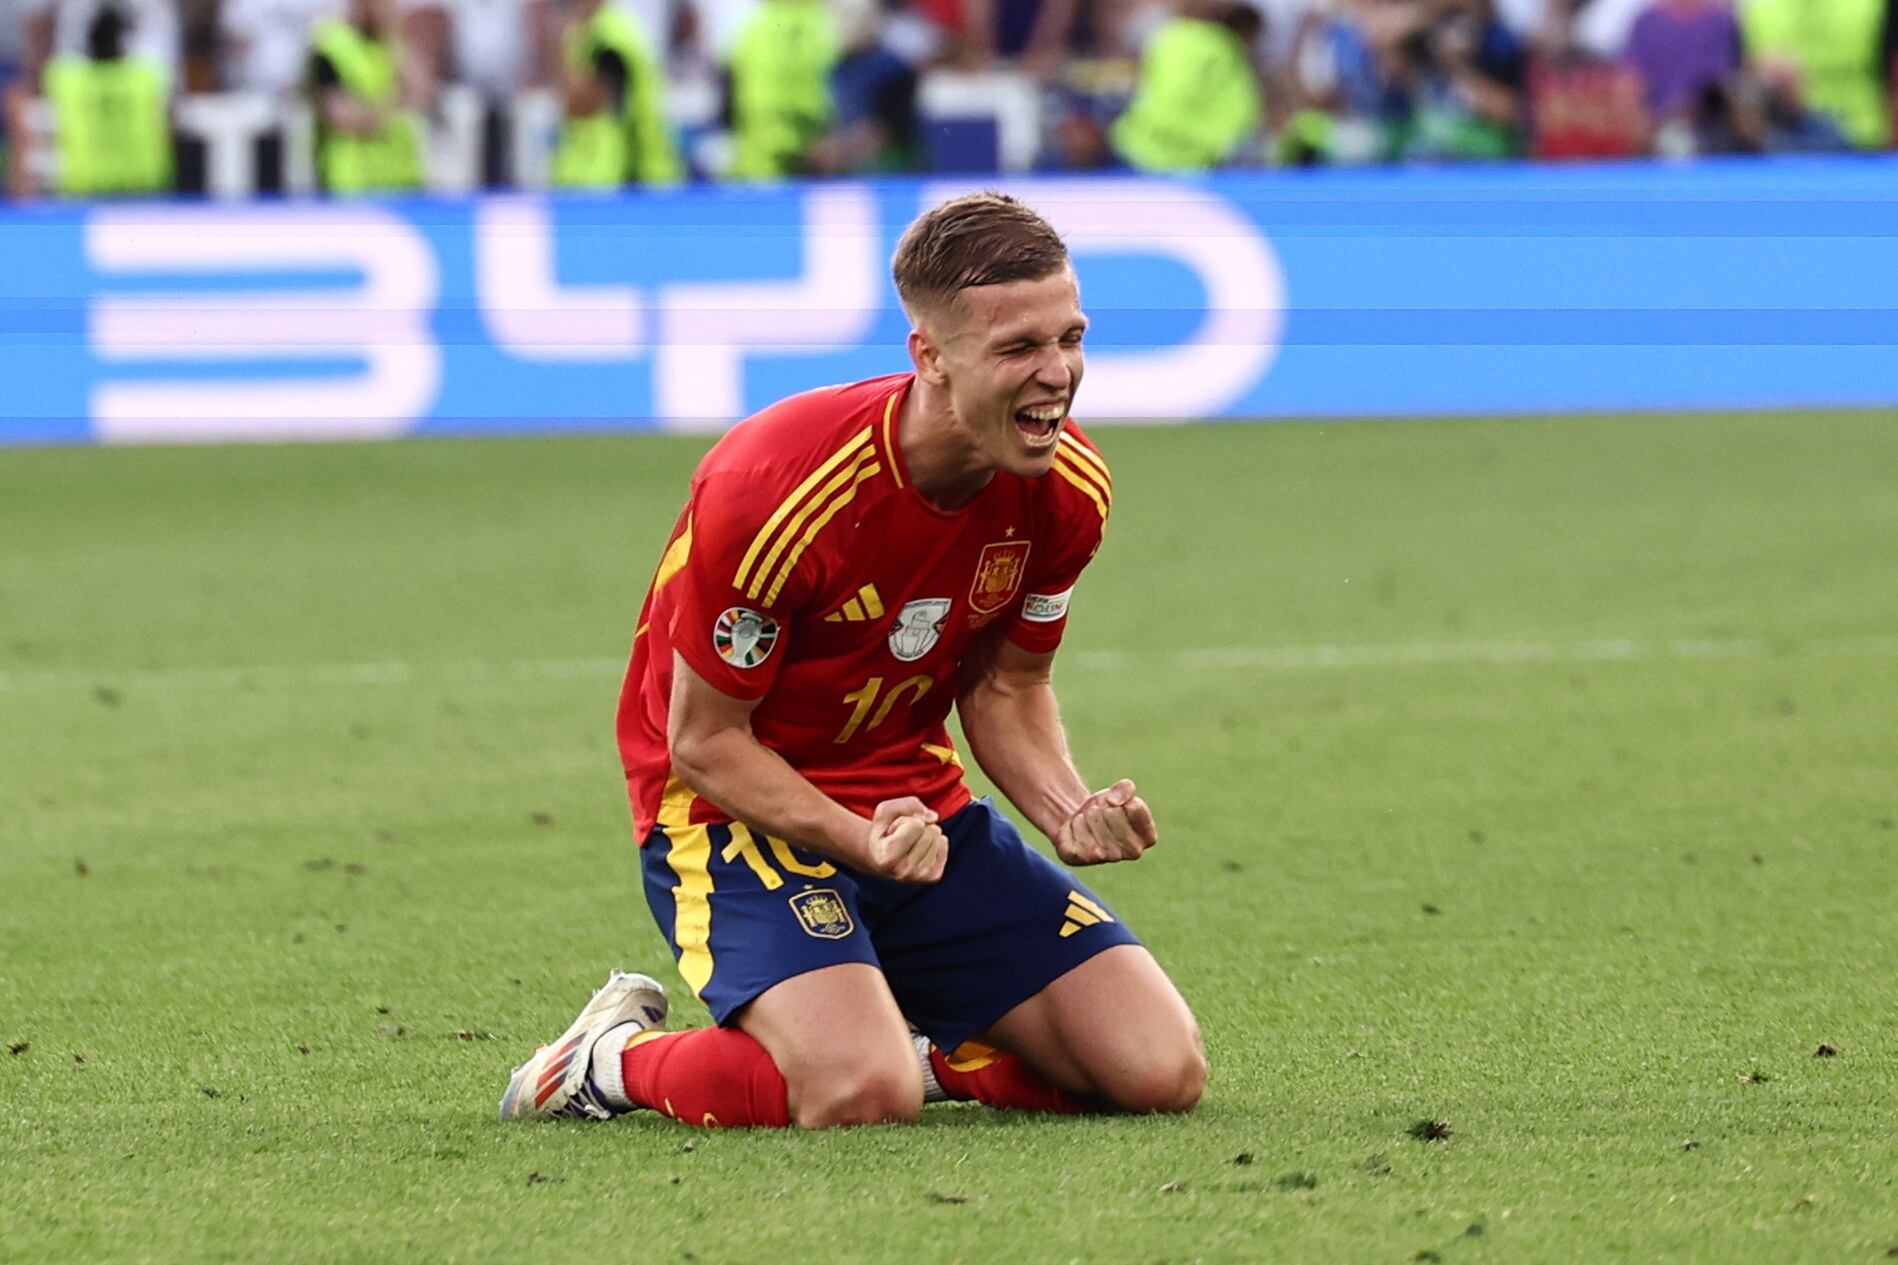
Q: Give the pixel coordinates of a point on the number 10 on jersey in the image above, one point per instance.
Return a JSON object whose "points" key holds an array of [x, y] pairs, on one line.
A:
{"points": [[864, 699]]}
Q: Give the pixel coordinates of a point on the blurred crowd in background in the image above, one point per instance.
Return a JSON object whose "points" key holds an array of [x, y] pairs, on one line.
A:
{"points": [[231, 97]]}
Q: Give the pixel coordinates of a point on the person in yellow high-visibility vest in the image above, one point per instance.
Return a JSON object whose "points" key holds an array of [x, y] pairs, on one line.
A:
{"points": [[781, 100], [111, 130], [1198, 96], [1837, 47], [615, 132], [367, 140]]}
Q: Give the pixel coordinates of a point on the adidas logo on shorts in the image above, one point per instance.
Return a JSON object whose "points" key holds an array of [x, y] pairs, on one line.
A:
{"points": [[1082, 912]]}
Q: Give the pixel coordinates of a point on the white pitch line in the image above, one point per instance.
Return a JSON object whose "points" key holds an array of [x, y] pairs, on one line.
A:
{"points": [[1419, 654], [1318, 658]]}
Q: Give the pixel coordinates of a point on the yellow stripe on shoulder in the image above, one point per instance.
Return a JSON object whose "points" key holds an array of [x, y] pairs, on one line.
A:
{"points": [[843, 498], [791, 502], [889, 438], [1085, 463], [845, 480], [1087, 457], [670, 564], [1064, 457], [1066, 469], [675, 557]]}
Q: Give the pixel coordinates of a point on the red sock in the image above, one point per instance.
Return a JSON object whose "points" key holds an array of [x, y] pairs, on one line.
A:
{"points": [[713, 1077], [978, 1073]]}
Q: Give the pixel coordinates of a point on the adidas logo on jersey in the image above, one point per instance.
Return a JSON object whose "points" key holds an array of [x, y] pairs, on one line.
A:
{"points": [[865, 605], [1082, 912]]}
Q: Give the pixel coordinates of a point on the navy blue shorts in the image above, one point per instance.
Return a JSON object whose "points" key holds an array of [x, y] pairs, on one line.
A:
{"points": [[743, 911]]}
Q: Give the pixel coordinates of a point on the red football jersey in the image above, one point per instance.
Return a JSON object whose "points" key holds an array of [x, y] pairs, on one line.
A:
{"points": [[807, 572]]}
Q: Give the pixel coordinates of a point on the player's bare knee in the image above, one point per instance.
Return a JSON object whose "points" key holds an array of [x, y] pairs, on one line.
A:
{"points": [[1191, 1085], [890, 1094], [1161, 1089], [1166, 1080]]}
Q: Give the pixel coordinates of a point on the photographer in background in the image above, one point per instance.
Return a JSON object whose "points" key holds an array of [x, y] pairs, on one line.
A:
{"points": [[111, 115], [1457, 74], [1404, 80], [369, 139], [1198, 99], [780, 98], [63, 28], [613, 95], [1833, 56]]}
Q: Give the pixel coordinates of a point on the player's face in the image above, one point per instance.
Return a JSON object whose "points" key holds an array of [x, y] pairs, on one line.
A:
{"points": [[1012, 364]]}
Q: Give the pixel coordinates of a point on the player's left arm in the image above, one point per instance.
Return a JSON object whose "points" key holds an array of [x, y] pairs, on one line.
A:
{"points": [[1012, 720]]}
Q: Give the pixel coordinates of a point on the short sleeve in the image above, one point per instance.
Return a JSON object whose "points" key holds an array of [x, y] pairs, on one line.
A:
{"points": [[1079, 507], [736, 598]]}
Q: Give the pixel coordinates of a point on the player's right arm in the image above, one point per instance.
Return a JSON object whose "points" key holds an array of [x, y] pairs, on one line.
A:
{"points": [[715, 753], [718, 756]]}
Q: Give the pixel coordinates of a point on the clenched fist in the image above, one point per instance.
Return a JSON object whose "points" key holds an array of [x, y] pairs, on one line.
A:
{"points": [[905, 843], [1110, 825]]}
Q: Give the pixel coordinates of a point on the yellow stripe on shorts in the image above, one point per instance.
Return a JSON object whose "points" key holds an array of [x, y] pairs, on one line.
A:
{"points": [[690, 857]]}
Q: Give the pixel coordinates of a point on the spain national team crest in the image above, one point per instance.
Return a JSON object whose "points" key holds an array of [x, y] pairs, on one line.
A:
{"points": [[744, 638], [823, 914], [918, 627], [998, 575]]}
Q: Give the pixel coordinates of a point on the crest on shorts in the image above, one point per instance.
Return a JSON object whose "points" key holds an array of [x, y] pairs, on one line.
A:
{"points": [[744, 638], [918, 626], [998, 575], [823, 914]]}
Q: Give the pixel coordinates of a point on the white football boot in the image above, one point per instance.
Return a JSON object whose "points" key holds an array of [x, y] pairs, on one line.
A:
{"points": [[557, 1081]]}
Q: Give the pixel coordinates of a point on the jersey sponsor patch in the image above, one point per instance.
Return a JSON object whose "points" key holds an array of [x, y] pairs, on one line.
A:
{"points": [[998, 574], [918, 627], [744, 638], [823, 914], [1045, 608]]}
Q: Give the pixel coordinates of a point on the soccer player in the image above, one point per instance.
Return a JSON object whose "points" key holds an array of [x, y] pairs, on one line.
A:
{"points": [[851, 563]]}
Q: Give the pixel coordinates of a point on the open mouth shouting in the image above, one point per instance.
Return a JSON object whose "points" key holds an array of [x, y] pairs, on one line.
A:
{"points": [[1040, 424]]}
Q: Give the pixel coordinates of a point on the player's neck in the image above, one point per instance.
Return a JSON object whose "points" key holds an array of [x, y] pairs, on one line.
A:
{"points": [[946, 466]]}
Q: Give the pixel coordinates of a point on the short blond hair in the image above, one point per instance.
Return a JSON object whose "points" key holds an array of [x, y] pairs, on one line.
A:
{"points": [[978, 239]]}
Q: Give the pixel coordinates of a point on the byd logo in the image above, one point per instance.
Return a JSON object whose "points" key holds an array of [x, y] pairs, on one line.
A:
{"points": [[697, 335]]}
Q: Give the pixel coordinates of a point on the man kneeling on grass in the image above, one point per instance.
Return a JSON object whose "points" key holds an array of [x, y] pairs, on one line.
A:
{"points": [[850, 564]]}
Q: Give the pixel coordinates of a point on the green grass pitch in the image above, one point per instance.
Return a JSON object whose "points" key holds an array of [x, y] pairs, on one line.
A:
{"points": [[1537, 778]]}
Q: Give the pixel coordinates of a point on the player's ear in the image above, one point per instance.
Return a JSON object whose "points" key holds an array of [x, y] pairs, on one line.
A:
{"points": [[926, 356]]}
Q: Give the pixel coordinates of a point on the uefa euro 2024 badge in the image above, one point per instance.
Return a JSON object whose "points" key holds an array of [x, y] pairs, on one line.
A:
{"points": [[744, 638], [918, 627]]}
